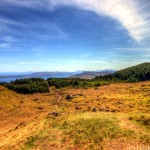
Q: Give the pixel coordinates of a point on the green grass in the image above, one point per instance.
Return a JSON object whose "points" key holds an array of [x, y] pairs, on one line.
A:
{"points": [[95, 130], [30, 141], [92, 131], [142, 119], [82, 128]]}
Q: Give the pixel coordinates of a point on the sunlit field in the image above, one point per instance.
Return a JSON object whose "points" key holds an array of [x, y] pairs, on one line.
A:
{"points": [[115, 116]]}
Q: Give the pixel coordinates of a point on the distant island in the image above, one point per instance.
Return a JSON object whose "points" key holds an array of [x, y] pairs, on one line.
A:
{"points": [[92, 74], [7, 77]]}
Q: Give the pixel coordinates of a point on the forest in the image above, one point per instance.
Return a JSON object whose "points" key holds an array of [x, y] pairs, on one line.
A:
{"points": [[132, 74], [38, 85], [30, 85]]}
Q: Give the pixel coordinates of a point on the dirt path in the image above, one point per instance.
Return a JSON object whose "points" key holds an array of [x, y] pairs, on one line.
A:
{"points": [[58, 95]]}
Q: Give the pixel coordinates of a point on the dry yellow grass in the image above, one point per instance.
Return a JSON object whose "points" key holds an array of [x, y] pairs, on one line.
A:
{"points": [[122, 97], [26, 123]]}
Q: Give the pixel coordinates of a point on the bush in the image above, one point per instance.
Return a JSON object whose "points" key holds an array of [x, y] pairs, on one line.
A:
{"points": [[27, 86]]}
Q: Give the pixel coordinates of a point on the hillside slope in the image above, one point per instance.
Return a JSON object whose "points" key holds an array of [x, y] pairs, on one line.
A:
{"points": [[136, 73], [92, 74], [113, 117]]}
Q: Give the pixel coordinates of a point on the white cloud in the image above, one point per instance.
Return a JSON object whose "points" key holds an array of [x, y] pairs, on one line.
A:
{"points": [[85, 55], [4, 45], [32, 63], [89, 61], [7, 47], [9, 39], [127, 12], [10, 22], [130, 14], [133, 49]]}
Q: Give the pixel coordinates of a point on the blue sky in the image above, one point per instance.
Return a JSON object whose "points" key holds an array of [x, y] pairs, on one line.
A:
{"points": [[70, 35]]}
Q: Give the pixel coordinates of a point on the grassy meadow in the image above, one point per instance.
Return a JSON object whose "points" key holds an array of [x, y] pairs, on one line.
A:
{"points": [[115, 116]]}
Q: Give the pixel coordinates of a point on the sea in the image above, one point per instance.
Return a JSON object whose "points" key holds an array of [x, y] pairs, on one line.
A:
{"points": [[45, 77]]}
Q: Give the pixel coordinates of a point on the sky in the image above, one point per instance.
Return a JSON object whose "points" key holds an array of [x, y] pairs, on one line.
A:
{"points": [[70, 35]]}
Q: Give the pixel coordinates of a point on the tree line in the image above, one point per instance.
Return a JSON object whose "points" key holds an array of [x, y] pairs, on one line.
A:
{"points": [[37, 85], [132, 74], [28, 86], [73, 82]]}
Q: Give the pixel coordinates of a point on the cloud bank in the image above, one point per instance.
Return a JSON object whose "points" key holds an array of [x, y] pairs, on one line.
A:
{"points": [[133, 15], [127, 12]]}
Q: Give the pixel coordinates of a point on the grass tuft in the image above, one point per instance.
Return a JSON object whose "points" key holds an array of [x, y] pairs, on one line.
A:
{"points": [[30, 141]]}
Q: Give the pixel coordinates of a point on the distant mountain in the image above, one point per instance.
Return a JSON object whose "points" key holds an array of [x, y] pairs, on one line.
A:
{"points": [[139, 72], [14, 73], [92, 74], [36, 74]]}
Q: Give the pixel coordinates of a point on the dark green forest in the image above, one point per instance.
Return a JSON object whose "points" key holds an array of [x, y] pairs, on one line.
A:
{"points": [[73, 82], [38, 85], [132, 74], [26, 86]]}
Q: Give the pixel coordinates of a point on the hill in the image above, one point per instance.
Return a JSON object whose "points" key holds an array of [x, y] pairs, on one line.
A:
{"points": [[140, 72], [92, 74], [115, 116], [36, 74]]}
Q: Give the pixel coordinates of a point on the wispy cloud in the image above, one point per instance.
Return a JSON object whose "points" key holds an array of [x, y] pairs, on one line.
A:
{"points": [[52, 31], [133, 49], [89, 61], [32, 63], [4, 45], [86, 55], [43, 31], [132, 14], [9, 39], [10, 22], [127, 12], [8, 47]]}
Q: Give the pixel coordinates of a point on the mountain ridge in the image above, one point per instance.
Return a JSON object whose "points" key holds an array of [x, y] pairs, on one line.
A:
{"points": [[140, 72], [46, 74], [93, 74]]}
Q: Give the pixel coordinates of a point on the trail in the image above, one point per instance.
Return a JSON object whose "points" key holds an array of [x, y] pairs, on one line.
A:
{"points": [[58, 98]]}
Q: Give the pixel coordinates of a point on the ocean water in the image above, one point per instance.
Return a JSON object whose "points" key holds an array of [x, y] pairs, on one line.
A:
{"points": [[45, 77]]}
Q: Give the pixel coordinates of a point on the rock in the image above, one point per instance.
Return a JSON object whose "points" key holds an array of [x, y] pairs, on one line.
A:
{"points": [[94, 110], [130, 106], [22, 124], [77, 108], [55, 114], [113, 110], [89, 108], [118, 103], [21, 102], [107, 110], [101, 109], [69, 97], [40, 108], [36, 99]]}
